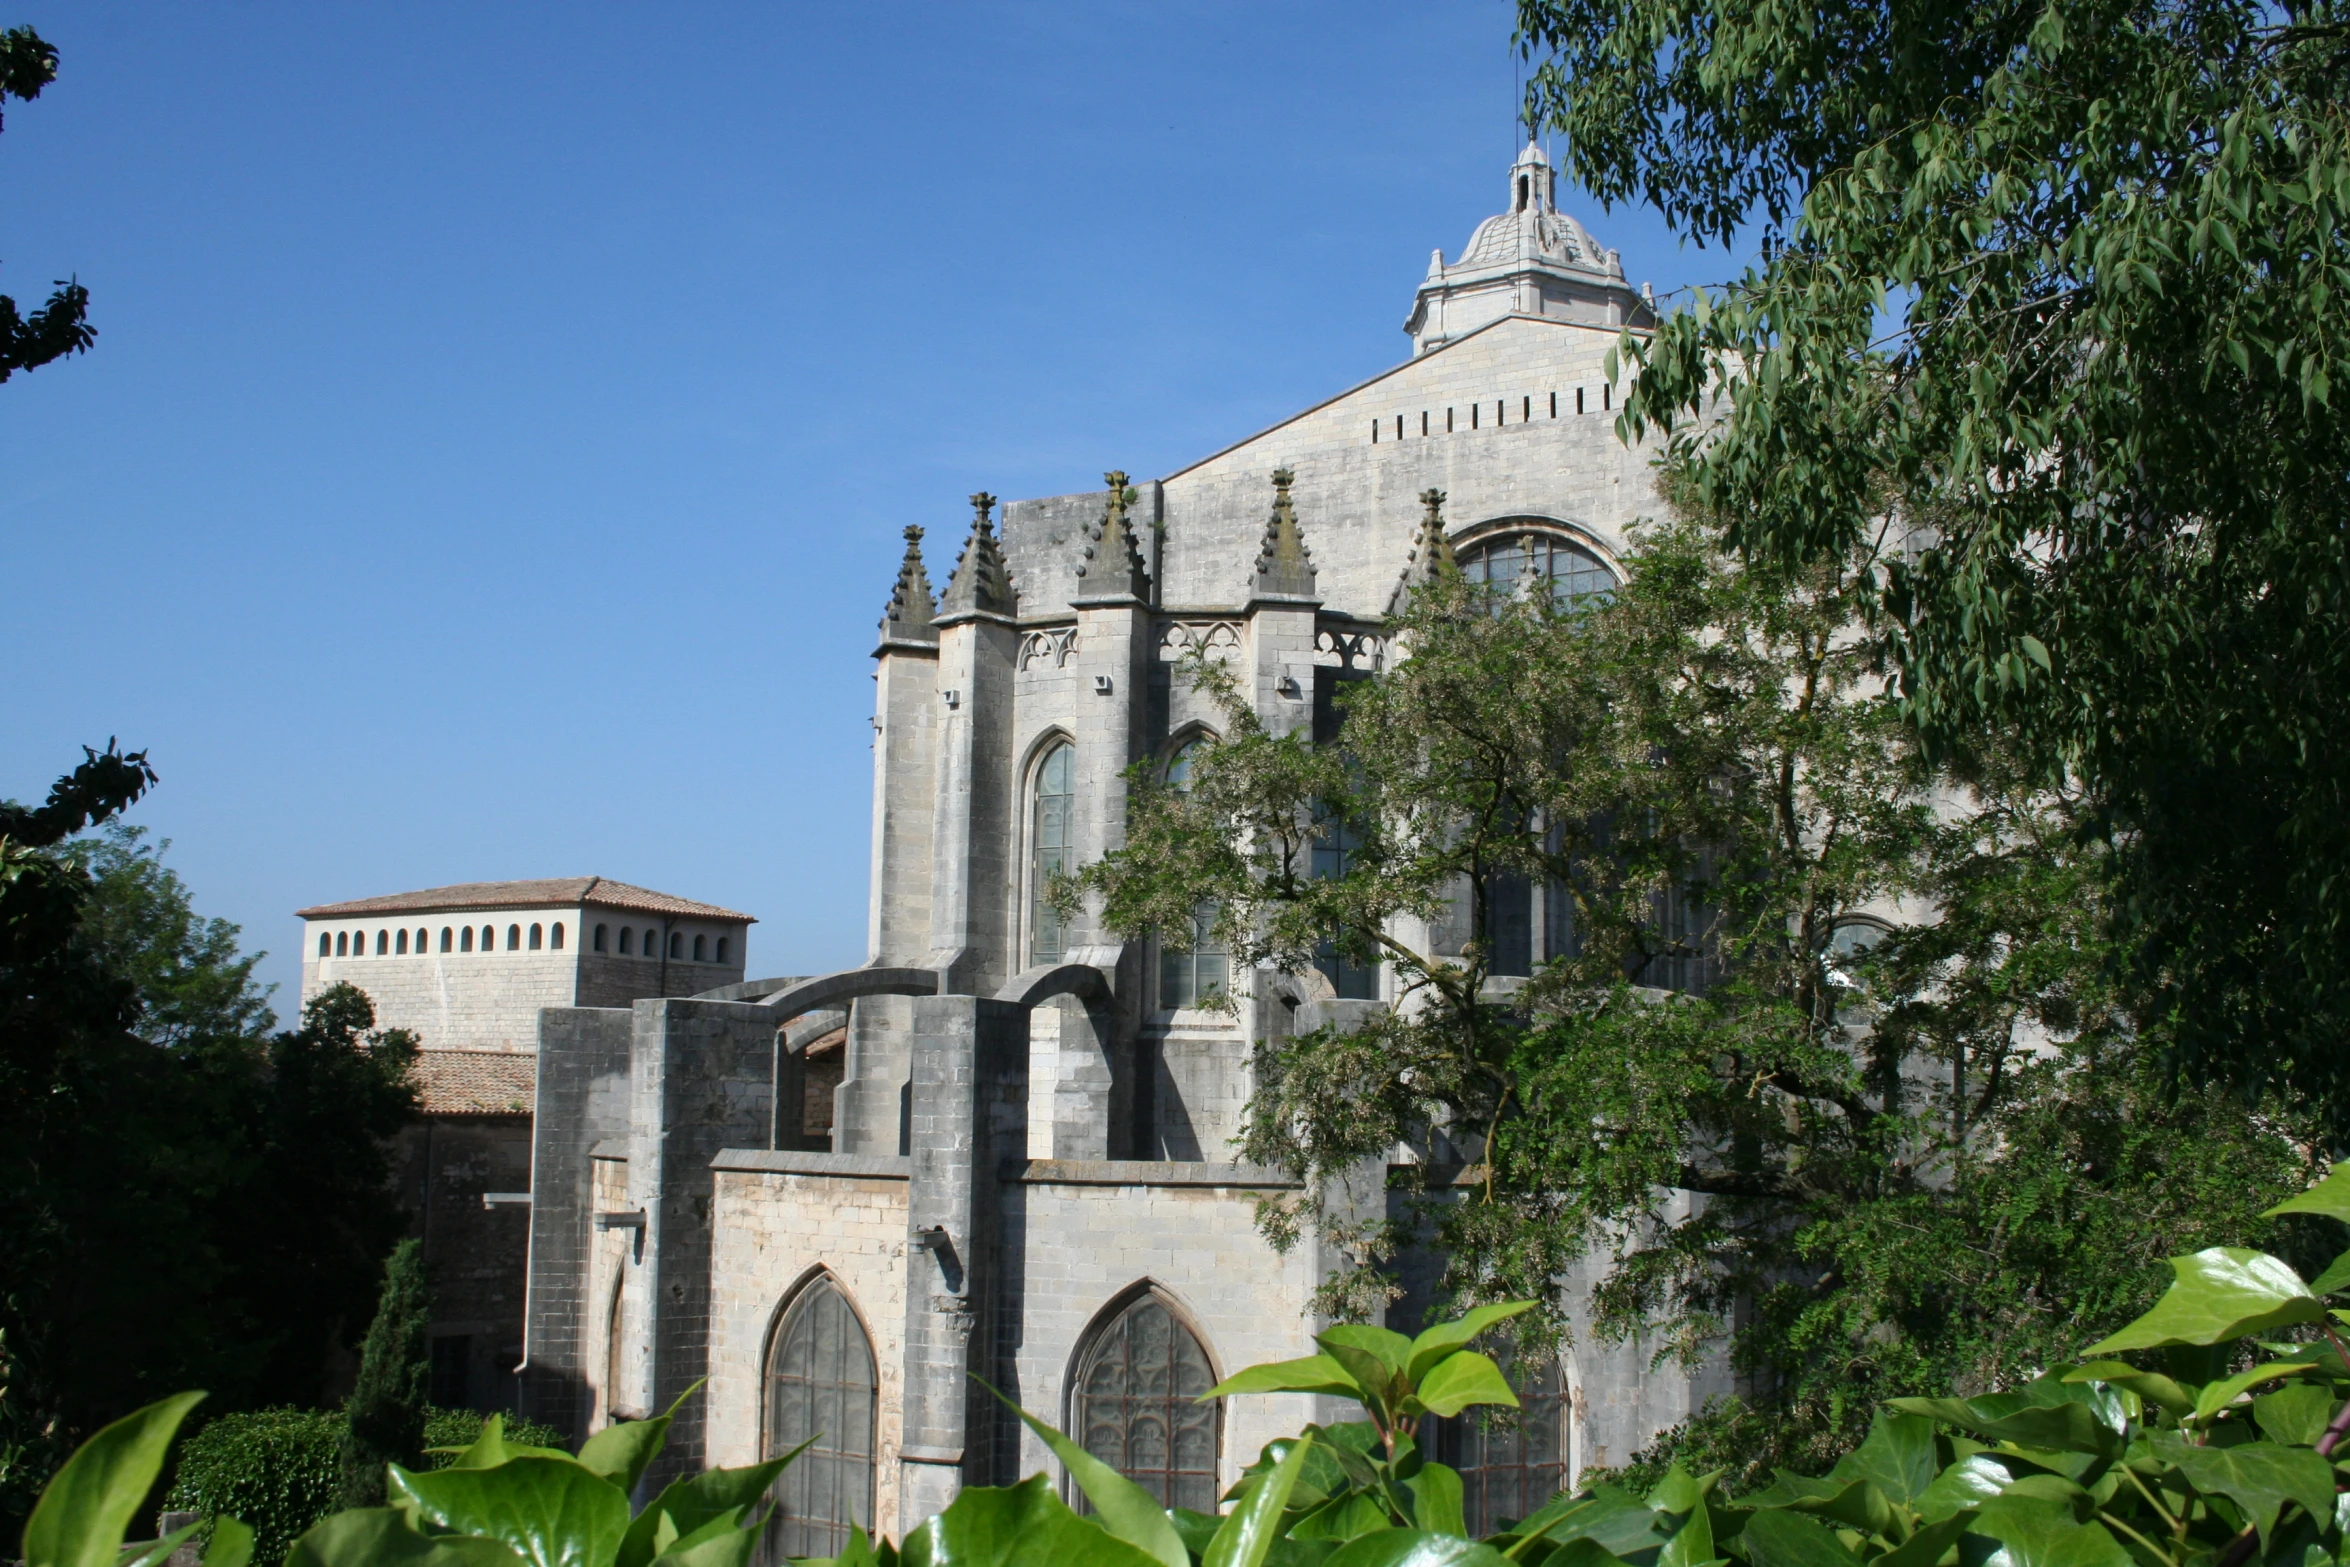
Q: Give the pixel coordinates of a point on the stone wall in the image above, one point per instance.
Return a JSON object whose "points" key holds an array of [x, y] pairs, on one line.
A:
{"points": [[474, 1257], [777, 1219]]}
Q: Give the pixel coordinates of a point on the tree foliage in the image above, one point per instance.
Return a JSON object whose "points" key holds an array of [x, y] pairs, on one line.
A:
{"points": [[384, 1418], [61, 326], [156, 1140], [2059, 288], [1927, 1152]]}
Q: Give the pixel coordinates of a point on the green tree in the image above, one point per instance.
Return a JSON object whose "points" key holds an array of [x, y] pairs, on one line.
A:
{"points": [[1862, 1006], [157, 1142], [386, 1413], [2059, 288], [60, 327]]}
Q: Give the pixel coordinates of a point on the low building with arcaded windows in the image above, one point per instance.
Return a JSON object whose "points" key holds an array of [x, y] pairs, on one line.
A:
{"points": [[1025, 1177], [466, 969]]}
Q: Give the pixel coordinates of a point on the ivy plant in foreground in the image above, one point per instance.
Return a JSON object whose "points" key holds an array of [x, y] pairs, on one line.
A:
{"points": [[2211, 1447]]}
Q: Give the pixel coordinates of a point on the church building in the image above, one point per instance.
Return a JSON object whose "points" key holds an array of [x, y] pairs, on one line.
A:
{"points": [[1025, 1177]]}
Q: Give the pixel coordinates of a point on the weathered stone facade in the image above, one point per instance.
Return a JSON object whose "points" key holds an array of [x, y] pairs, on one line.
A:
{"points": [[1027, 1174], [467, 970]]}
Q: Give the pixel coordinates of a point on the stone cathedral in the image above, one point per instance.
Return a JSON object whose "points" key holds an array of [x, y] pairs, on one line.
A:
{"points": [[1023, 1174]]}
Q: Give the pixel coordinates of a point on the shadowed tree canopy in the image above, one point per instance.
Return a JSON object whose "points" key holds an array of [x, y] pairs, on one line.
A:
{"points": [[2061, 287], [60, 327]]}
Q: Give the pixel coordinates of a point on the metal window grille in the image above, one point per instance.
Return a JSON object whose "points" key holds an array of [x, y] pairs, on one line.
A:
{"points": [[1136, 1411], [1509, 1466], [821, 1384]]}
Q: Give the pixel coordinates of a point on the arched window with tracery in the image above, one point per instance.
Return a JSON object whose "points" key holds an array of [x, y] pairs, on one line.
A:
{"points": [[1509, 1463], [1134, 1403], [821, 1384], [1501, 561], [1049, 845], [1195, 968]]}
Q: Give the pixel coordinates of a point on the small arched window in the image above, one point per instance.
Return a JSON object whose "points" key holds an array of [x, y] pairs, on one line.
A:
{"points": [[722, 949], [555, 935], [423, 940], [383, 943], [677, 944], [1575, 574], [701, 947], [1049, 834], [625, 934], [465, 942], [821, 1384], [326, 945], [489, 938], [342, 943], [536, 935], [603, 934], [1134, 1404], [446, 937], [513, 938], [400, 945]]}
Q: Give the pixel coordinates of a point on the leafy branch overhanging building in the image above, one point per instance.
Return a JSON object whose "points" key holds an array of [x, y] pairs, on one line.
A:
{"points": [[1022, 1179]]}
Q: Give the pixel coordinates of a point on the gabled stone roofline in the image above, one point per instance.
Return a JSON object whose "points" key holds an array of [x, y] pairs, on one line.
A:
{"points": [[1412, 363]]}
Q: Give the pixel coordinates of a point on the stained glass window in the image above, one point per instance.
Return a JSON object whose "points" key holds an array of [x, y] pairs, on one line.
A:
{"points": [[1135, 1407], [820, 1384], [1049, 833]]}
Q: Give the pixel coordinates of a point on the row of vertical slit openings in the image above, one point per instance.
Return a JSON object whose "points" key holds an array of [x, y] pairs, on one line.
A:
{"points": [[1527, 413]]}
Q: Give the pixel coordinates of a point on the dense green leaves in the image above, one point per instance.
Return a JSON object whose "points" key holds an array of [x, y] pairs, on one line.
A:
{"points": [[2223, 1293], [87, 1508], [2051, 296]]}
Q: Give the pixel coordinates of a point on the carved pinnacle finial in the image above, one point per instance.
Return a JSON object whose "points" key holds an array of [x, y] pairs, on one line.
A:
{"points": [[1111, 546], [1431, 553], [910, 610], [1284, 568], [981, 580]]}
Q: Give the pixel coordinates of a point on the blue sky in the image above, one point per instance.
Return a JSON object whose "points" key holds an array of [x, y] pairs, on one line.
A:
{"points": [[502, 420]]}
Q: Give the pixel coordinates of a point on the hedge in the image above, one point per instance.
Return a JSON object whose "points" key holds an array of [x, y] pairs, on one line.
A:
{"points": [[276, 1469]]}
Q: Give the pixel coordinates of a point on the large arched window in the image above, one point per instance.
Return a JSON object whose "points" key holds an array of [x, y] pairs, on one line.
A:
{"points": [[1573, 572], [1509, 1464], [1133, 1404], [820, 1384], [1049, 845]]}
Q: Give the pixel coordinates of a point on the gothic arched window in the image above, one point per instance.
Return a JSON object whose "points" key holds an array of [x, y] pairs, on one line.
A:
{"points": [[1573, 572], [821, 1384], [1049, 839], [1509, 1465], [1133, 1404]]}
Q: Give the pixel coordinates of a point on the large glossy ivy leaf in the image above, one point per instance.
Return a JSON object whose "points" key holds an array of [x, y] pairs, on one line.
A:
{"points": [[1775, 1537], [685, 1506], [1963, 1487], [1925, 1548], [1373, 1358], [1313, 1374], [1610, 1518], [2219, 1294], [2259, 1477], [2152, 1386], [551, 1511], [383, 1537], [1898, 1457], [2296, 1416], [1247, 1535], [723, 1542], [1414, 1548], [2022, 1418], [1443, 1339], [232, 1544], [1857, 1503], [2216, 1396], [1124, 1508], [2035, 1531], [2330, 1197], [2335, 1277], [87, 1506], [1679, 1495], [1465, 1380], [992, 1526], [1437, 1499], [490, 1448]]}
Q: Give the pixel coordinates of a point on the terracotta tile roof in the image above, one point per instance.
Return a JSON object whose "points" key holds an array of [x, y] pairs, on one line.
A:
{"points": [[554, 892], [477, 1082]]}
